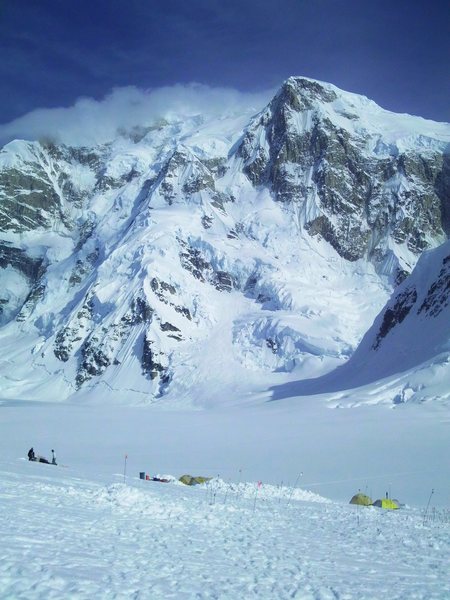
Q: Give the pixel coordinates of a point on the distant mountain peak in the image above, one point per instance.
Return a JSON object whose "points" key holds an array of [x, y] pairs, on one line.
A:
{"points": [[301, 93]]}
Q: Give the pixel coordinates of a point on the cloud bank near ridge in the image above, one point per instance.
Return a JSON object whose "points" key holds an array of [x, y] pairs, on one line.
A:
{"points": [[91, 121]]}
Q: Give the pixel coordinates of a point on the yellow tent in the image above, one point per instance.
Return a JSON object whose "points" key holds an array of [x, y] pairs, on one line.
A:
{"points": [[361, 499], [387, 503]]}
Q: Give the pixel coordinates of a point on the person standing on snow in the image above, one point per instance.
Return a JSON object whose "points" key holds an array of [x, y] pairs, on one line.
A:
{"points": [[31, 454]]}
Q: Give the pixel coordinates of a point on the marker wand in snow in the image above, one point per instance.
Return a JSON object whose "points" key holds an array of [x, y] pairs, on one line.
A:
{"points": [[426, 510], [295, 485], [258, 485], [125, 468]]}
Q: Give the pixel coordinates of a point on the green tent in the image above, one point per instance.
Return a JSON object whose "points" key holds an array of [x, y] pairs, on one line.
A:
{"points": [[387, 503], [361, 499], [189, 480]]}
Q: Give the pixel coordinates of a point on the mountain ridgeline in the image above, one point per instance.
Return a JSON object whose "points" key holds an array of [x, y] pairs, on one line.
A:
{"points": [[197, 252]]}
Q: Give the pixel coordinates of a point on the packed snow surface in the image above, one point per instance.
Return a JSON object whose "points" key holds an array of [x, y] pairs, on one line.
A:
{"points": [[273, 522]]}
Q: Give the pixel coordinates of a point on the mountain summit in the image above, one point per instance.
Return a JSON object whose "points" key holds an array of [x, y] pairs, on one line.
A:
{"points": [[207, 254]]}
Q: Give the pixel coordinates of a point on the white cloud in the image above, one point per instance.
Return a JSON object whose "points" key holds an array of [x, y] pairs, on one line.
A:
{"points": [[90, 121]]}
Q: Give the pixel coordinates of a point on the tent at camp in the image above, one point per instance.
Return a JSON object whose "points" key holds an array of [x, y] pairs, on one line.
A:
{"points": [[387, 503], [189, 480], [361, 499]]}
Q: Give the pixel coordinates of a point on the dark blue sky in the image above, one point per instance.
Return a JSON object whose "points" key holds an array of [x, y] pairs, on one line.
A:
{"points": [[54, 51]]}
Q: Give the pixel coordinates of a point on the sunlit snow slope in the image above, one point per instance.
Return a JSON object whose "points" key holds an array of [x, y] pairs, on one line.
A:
{"points": [[199, 260], [405, 355]]}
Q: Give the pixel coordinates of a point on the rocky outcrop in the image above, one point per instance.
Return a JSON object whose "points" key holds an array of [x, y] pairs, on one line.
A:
{"points": [[423, 298], [348, 194], [29, 201], [185, 167], [18, 259], [193, 261], [97, 347], [438, 295], [396, 314], [38, 189]]}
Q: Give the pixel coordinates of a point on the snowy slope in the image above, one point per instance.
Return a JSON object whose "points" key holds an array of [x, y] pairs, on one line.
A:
{"points": [[405, 355], [205, 253], [103, 541]]}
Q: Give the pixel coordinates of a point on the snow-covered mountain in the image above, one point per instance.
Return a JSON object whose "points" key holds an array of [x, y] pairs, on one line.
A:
{"points": [[199, 254]]}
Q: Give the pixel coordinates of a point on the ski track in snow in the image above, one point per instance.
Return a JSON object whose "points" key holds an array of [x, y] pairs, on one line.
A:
{"points": [[66, 537]]}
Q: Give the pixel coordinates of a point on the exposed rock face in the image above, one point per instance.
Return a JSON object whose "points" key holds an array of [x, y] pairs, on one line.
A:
{"points": [[192, 260], [442, 189], [353, 198], [438, 296], [18, 259], [98, 347], [128, 253], [40, 187], [415, 321], [151, 364], [395, 315], [29, 201], [426, 302]]}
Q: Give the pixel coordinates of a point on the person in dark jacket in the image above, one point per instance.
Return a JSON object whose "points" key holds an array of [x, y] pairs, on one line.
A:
{"points": [[31, 454]]}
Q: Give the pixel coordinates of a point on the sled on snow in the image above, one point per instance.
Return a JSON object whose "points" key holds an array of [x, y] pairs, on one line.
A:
{"points": [[42, 459]]}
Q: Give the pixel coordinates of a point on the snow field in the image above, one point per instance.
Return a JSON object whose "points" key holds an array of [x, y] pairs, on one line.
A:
{"points": [[80, 532], [70, 537]]}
